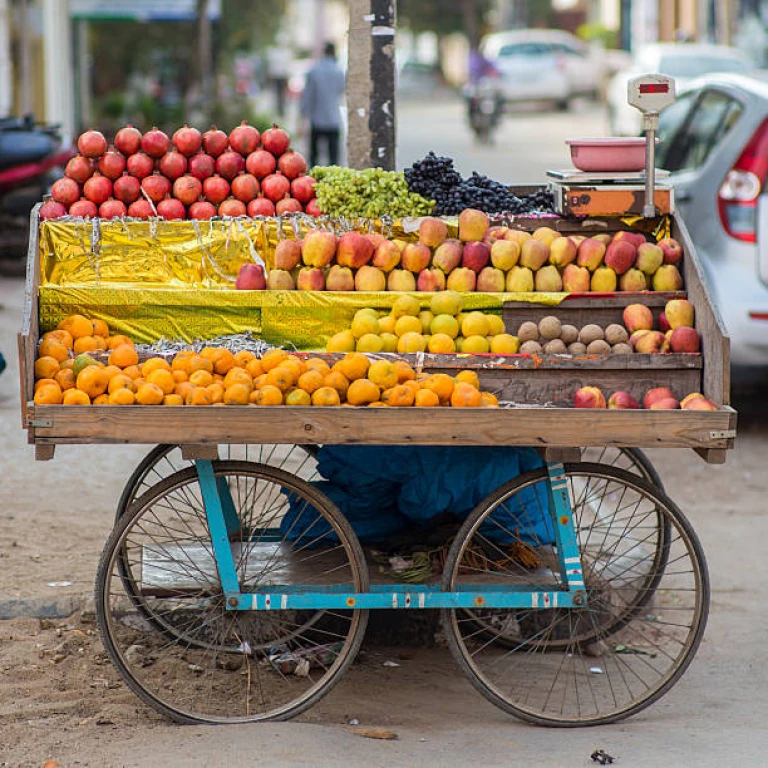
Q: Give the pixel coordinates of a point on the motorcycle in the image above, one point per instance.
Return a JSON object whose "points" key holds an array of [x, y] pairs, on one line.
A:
{"points": [[485, 107], [32, 157]]}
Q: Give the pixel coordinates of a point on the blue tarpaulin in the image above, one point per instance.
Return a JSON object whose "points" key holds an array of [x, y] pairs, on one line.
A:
{"points": [[383, 490]]}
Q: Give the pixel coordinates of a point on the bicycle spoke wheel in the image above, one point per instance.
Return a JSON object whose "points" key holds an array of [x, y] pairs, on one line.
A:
{"points": [[642, 623], [162, 613], [630, 459]]}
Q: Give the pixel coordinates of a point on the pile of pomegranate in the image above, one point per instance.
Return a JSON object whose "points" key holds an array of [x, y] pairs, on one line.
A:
{"points": [[188, 176]]}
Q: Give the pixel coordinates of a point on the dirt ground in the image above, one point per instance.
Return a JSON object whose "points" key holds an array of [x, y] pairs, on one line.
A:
{"points": [[61, 699]]}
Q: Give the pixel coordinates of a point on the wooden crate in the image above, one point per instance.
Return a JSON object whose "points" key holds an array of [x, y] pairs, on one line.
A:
{"points": [[538, 383]]}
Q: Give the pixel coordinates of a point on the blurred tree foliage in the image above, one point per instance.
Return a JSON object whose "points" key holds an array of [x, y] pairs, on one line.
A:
{"points": [[125, 54], [443, 17]]}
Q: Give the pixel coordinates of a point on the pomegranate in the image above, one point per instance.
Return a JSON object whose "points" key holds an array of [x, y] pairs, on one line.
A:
{"points": [[111, 164], [215, 189], [260, 163], [140, 165], [244, 139], [112, 209], [173, 164], [50, 209], [156, 187], [215, 141], [288, 205], [187, 140], [98, 188], [92, 144], [260, 206], [202, 210], [303, 188], [232, 207], [171, 209], [126, 189], [128, 140], [141, 209], [79, 168], [155, 143], [245, 187], [201, 166], [83, 209], [312, 208], [229, 164], [292, 164], [65, 191], [187, 189], [275, 186], [275, 140]]}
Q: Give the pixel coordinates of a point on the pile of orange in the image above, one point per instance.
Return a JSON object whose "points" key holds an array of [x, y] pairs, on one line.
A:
{"points": [[216, 376]]}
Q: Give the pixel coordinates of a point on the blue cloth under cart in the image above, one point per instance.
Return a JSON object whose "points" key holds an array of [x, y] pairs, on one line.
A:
{"points": [[384, 490]]}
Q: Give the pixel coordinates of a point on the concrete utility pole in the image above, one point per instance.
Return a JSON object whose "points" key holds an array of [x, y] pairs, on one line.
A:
{"points": [[59, 81], [6, 78], [371, 84]]}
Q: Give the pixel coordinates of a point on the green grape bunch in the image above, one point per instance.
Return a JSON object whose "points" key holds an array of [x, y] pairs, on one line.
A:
{"points": [[371, 193]]}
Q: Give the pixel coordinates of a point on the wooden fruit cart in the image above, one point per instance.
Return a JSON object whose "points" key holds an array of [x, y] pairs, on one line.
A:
{"points": [[232, 589]]}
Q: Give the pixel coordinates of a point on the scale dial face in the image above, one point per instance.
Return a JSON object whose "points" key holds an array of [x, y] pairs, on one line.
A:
{"points": [[651, 93]]}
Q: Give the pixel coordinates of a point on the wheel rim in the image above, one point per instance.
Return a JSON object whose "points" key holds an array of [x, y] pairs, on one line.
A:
{"points": [[605, 662], [194, 660]]}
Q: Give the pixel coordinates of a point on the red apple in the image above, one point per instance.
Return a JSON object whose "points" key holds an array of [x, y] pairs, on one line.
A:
{"points": [[251, 278], [657, 393], [622, 400], [671, 250], [684, 339], [588, 397]]}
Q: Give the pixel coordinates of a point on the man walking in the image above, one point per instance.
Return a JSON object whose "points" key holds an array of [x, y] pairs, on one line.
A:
{"points": [[320, 105]]}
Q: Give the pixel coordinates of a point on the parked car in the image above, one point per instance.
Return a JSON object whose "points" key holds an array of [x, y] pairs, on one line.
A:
{"points": [[714, 141], [543, 65], [683, 61]]}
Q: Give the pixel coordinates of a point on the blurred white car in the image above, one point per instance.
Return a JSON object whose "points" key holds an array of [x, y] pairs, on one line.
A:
{"points": [[683, 61], [543, 65]]}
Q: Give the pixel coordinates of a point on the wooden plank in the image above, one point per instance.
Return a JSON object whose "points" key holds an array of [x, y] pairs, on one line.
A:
{"points": [[30, 330], [715, 343], [558, 427], [199, 451], [712, 455]]}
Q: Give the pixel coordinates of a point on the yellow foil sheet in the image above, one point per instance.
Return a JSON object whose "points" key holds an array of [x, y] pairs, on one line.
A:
{"points": [[305, 319]]}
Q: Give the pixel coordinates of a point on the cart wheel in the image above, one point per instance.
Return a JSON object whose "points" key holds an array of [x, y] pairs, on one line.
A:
{"points": [[630, 459], [197, 662], [639, 630], [163, 460]]}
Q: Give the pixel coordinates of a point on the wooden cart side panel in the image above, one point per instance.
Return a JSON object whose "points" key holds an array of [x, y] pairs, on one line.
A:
{"points": [[30, 329], [715, 343]]}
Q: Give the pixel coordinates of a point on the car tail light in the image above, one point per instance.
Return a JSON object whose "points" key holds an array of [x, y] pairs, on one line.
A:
{"points": [[737, 197]]}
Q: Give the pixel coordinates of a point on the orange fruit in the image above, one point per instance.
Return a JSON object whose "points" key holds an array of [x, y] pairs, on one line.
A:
{"points": [[253, 397], [338, 381], [164, 379], [224, 361], [298, 397], [426, 398], [149, 394], [65, 378], [68, 363], [101, 400], [354, 365], [362, 391], [154, 364], [237, 394], [200, 363], [100, 328], [243, 357], [326, 396], [77, 326], [441, 384], [46, 367], [311, 380], [216, 391], [123, 356], [138, 381], [260, 381], [385, 395], [43, 382], [489, 400], [75, 397], [48, 394], [272, 358], [281, 377], [238, 376], [413, 385], [120, 382], [201, 378], [253, 368], [179, 376], [62, 336], [122, 397], [401, 396], [54, 348], [211, 353], [466, 396], [88, 344], [173, 399], [379, 404], [92, 381], [295, 364], [133, 371], [318, 364], [383, 373], [404, 371], [118, 340], [183, 389], [181, 362], [269, 395], [198, 396], [110, 371], [470, 377]]}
